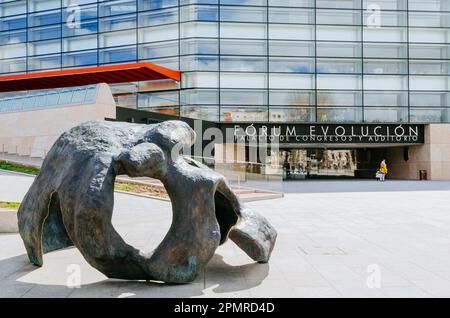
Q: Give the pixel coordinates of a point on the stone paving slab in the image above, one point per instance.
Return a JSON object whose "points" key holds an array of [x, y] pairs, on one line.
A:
{"points": [[330, 244]]}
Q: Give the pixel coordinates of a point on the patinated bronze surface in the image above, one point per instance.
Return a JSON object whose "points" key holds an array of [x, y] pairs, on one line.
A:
{"points": [[71, 203]]}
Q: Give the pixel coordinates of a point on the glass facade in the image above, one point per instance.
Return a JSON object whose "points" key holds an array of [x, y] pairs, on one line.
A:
{"points": [[250, 60]]}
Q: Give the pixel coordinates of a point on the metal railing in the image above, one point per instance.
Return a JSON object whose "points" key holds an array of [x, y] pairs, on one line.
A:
{"points": [[50, 99]]}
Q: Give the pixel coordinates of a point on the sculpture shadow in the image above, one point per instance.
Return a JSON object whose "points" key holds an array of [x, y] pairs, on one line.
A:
{"points": [[218, 276]]}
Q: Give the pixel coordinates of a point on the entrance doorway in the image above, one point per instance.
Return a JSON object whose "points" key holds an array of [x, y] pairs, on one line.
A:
{"points": [[301, 164]]}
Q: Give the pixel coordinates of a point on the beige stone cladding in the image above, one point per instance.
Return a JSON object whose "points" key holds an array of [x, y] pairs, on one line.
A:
{"points": [[33, 132], [433, 156]]}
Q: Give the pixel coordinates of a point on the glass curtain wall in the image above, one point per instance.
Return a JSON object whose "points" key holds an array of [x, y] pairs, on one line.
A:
{"points": [[250, 60]]}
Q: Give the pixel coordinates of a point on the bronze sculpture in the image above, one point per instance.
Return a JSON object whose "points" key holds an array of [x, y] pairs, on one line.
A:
{"points": [[71, 203]]}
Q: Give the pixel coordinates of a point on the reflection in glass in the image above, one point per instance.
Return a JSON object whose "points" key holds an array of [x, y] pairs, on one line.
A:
{"points": [[339, 98], [291, 65], [386, 98], [44, 47], [13, 50], [115, 55], [385, 82], [291, 114], [332, 49], [158, 49], [44, 33], [158, 17], [13, 8], [385, 50], [339, 4], [44, 62], [200, 63], [266, 54], [154, 5], [292, 97], [44, 18], [243, 64], [85, 42], [338, 17], [199, 13], [117, 23], [243, 114], [291, 81], [244, 97], [204, 112], [243, 80], [168, 62], [291, 48], [243, 47], [13, 65], [158, 99], [13, 37], [13, 23], [291, 15], [83, 58], [303, 164], [385, 34], [41, 5], [243, 14], [429, 51], [117, 38], [199, 96], [200, 46], [431, 67], [291, 32], [387, 4], [339, 115], [344, 82], [385, 115], [386, 67], [117, 7], [341, 66], [86, 27], [429, 115], [430, 99]]}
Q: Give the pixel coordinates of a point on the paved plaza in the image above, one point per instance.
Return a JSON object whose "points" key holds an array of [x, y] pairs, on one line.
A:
{"points": [[335, 239]]}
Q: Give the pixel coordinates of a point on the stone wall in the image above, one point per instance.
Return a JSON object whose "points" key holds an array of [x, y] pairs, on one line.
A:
{"points": [[433, 156]]}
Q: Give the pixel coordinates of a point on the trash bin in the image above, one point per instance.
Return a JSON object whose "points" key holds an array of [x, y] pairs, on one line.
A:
{"points": [[423, 175]]}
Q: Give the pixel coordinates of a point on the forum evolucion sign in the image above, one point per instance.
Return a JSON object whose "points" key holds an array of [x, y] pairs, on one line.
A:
{"points": [[327, 133]]}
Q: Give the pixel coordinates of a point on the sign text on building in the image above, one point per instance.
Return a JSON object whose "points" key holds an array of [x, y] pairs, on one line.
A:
{"points": [[327, 133]]}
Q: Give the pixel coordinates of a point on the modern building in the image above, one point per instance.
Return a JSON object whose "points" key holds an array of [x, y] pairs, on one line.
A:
{"points": [[308, 64]]}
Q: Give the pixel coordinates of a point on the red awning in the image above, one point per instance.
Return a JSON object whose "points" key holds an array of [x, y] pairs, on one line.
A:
{"points": [[110, 74]]}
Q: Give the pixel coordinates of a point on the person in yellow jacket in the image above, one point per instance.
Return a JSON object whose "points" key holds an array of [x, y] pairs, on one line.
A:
{"points": [[383, 170]]}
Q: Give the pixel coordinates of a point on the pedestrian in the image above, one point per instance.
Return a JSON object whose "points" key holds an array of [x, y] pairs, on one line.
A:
{"points": [[383, 170], [287, 169]]}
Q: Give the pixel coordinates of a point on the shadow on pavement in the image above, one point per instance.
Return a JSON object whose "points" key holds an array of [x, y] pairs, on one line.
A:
{"points": [[219, 276]]}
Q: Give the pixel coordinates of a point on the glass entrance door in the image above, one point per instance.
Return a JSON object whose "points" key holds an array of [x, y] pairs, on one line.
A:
{"points": [[317, 163]]}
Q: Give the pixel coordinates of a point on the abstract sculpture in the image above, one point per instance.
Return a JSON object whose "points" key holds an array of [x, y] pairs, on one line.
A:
{"points": [[71, 203]]}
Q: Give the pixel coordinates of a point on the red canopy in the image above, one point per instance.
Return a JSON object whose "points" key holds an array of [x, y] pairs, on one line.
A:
{"points": [[110, 74]]}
